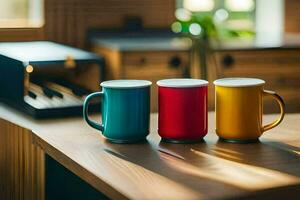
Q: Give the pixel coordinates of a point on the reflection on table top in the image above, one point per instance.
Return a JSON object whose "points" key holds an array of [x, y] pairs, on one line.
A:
{"points": [[156, 170]]}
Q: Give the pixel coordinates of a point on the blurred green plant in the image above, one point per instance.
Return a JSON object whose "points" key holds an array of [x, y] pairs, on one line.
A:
{"points": [[204, 26], [209, 28]]}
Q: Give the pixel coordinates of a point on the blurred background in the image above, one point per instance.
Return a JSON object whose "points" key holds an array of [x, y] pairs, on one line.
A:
{"points": [[155, 39]]}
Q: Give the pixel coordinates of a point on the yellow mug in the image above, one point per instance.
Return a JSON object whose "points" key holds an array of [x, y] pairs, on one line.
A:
{"points": [[239, 109]]}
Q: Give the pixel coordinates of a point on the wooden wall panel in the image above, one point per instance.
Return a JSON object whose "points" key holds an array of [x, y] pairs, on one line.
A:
{"points": [[67, 21], [292, 17], [21, 164], [7, 35]]}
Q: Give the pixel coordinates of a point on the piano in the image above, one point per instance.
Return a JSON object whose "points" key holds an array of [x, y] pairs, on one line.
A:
{"points": [[46, 79]]}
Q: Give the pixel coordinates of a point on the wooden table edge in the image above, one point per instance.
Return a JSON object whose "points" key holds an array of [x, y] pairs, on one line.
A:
{"points": [[75, 168]]}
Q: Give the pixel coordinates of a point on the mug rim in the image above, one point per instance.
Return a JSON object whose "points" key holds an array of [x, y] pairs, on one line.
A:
{"points": [[121, 83], [182, 83], [239, 82]]}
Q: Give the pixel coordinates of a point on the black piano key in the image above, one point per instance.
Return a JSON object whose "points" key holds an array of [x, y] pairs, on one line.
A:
{"points": [[51, 93], [77, 90], [57, 93], [47, 93], [32, 94]]}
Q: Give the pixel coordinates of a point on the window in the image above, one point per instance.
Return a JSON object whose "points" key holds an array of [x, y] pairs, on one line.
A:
{"points": [[231, 13], [257, 15], [21, 13]]}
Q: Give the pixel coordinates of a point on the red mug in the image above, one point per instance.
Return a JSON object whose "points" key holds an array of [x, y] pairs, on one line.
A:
{"points": [[182, 110]]}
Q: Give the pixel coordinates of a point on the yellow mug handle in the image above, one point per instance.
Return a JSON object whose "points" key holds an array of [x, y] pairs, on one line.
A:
{"points": [[280, 102]]}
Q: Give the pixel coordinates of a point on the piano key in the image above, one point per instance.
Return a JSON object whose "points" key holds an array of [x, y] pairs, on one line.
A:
{"points": [[46, 90], [32, 94], [69, 98], [45, 101], [33, 102], [65, 91], [50, 92], [77, 90], [55, 102], [59, 88]]}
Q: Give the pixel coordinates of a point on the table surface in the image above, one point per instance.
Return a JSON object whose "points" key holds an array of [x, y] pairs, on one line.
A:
{"points": [[261, 41], [145, 43], [156, 170]]}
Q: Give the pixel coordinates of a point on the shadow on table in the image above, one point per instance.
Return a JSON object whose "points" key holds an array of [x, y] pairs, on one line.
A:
{"points": [[271, 155], [278, 193], [224, 167]]}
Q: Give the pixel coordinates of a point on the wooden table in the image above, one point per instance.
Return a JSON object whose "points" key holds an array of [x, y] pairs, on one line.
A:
{"points": [[155, 170]]}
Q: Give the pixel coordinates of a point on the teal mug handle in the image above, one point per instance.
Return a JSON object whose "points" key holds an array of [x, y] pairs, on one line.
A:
{"points": [[86, 111]]}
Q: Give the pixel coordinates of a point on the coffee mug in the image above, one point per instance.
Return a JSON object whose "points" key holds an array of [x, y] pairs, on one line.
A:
{"points": [[239, 109], [182, 110], [125, 110]]}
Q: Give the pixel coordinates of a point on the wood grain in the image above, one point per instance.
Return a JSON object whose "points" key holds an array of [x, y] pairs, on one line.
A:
{"points": [[21, 34], [68, 21], [156, 170], [21, 164], [291, 11]]}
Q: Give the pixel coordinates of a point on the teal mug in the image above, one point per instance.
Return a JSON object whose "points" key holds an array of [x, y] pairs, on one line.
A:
{"points": [[125, 110]]}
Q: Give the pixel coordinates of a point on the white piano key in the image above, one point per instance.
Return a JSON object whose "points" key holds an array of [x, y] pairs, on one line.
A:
{"points": [[33, 102]]}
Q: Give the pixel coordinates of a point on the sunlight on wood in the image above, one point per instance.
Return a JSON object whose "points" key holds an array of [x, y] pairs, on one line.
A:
{"points": [[233, 173], [160, 185], [296, 152], [226, 155]]}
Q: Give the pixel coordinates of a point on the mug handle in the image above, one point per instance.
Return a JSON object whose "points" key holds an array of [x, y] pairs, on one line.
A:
{"points": [[281, 104], [86, 108]]}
